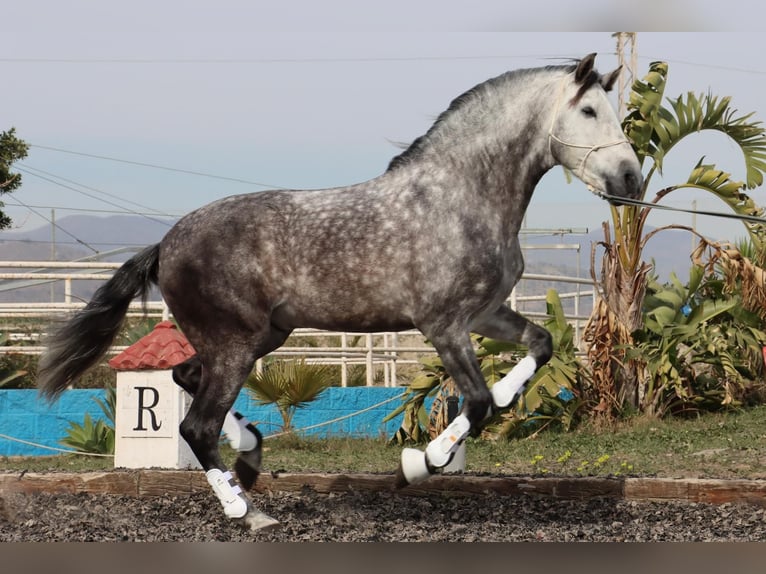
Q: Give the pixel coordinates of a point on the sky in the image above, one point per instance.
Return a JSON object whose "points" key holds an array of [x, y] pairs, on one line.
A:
{"points": [[157, 108]]}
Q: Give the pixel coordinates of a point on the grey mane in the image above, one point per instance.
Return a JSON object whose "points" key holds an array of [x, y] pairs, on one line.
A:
{"points": [[506, 81]]}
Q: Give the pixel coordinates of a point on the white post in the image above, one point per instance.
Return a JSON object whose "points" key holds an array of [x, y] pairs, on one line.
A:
{"points": [[394, 356], [369, 360], [344, 360], [386, 364]]}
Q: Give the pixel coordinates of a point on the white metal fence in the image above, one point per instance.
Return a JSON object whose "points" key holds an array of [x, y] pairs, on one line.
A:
{"points": [[379, 353]]}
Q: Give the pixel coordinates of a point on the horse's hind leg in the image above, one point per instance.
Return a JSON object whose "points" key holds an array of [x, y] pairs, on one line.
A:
{"points": [[225, 366], [242, 435]]}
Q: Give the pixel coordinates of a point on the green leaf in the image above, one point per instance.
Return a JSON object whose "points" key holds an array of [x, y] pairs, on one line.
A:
{"points": [[672, 298], [664, 316], [495, 347]]}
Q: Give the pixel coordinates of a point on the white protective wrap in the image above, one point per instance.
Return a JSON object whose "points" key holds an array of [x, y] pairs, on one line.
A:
{"points": [[506, 389], [239, 436], [439, 451], [414, 466], [234, 505]]}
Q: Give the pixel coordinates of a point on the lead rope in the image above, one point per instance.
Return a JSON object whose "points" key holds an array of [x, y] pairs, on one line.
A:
{"points": [[591, 148], [640, 203]]}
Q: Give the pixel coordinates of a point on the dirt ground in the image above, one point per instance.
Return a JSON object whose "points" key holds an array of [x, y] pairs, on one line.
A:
{"points": [[372, 517]]}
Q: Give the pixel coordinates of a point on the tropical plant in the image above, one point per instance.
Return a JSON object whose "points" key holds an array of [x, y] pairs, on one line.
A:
{"points": [[553, 395], [12, 149], [743, 268], [136, 329], [289, 385], [97, 436], [697, 345], [7, 380], [547, 396], [654, 130]]}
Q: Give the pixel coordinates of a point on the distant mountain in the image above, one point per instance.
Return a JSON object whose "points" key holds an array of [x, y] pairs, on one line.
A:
{"points": [[668, 250], [570, 255], [80, 235], [76, 237]]}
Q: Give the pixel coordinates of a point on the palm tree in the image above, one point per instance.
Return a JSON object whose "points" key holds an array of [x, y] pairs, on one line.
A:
{"points": [[654, 130], [289, 385]]}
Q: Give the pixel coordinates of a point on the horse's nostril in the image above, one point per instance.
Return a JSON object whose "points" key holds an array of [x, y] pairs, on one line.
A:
{"points": [[632, 182]]}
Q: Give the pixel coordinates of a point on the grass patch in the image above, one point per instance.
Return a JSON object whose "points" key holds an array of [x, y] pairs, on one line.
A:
{"points": [[721, 445]]}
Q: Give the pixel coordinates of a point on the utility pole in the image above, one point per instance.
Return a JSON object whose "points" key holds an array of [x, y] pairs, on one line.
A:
{"points": [[53, 250], [626, 42]]}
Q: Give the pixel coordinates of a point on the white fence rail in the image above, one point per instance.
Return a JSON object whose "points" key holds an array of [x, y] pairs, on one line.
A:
{"points": [[379, 353]]}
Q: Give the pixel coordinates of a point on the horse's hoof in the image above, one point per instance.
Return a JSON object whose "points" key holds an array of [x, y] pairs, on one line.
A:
{"points": [[256, 520], [413, 468]]}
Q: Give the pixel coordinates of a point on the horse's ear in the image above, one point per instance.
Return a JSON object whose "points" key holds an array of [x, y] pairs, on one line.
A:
{"points": [[584, 67], [608, 80]]}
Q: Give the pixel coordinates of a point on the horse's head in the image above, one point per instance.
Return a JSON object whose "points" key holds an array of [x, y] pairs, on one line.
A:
{"points": [[585, 135]]}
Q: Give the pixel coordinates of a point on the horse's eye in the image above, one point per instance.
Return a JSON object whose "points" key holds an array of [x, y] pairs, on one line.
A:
{"points": [[589, 112]]}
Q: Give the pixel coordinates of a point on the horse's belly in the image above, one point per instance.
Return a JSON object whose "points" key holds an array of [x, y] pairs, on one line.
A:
{"points": [[340, 317]]}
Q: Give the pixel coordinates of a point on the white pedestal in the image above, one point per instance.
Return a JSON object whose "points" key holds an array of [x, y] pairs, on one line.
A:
{"points": [[150, 406], [457, 464]]}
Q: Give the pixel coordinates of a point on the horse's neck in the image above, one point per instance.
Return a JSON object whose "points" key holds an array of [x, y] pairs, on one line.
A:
{"points": [[500, 148], [488, 152], [499, 179]]}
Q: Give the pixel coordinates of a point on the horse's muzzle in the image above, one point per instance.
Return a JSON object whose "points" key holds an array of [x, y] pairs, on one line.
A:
{"points": [[627, 182]]}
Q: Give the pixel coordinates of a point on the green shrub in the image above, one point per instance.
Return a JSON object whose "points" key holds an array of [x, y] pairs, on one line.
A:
{"points": [[94, 436]]}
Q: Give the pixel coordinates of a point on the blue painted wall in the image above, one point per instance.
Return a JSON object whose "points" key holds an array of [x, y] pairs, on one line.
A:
{"points": [[27, 417]]}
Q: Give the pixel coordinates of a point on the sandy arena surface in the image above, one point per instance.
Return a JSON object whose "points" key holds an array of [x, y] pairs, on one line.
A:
{"points": [[374, 517]]}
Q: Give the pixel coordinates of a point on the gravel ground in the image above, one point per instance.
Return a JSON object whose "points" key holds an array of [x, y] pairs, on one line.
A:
{"points": [[372, 516]]}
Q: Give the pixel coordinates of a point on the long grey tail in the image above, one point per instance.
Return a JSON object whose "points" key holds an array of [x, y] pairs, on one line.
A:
{"points": [[83, 340]]}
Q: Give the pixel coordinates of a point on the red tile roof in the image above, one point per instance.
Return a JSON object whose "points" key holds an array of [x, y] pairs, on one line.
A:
{"points": [[161, 349]]}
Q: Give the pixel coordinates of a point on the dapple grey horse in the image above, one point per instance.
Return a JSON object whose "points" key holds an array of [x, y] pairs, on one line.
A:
{"points": [[431, 244]]}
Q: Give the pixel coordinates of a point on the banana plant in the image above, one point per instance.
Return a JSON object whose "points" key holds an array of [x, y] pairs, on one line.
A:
{"points": [[694, 344], [654, 130]]}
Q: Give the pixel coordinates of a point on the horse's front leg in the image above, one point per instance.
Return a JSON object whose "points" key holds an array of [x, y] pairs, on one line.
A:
{"points": [[479, 402], [507, 325], [459, 359]]}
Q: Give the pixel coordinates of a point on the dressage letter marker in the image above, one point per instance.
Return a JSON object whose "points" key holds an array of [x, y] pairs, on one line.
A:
{"points": [[142, 407], [149, 409]]}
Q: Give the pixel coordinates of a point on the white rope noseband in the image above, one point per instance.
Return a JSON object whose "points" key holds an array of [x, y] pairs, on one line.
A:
{"points": [[579, 171]]}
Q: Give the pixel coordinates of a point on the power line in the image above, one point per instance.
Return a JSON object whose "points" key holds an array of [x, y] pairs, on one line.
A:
{"points": [[706, 65], [69, 187], [251, 61], [155, 166], [59, 242], [341, 60], [89, 210], [26, 167], [57, 226]]}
